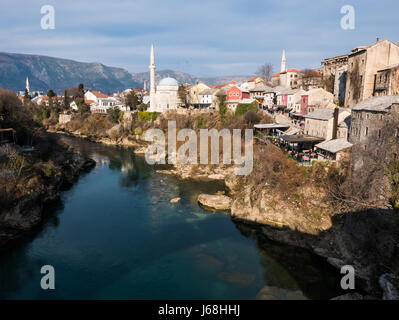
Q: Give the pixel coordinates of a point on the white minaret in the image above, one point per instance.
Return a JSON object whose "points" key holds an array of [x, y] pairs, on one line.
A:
{"points": [[145, 86], [27, 87], [283, 62], [152, 80]]}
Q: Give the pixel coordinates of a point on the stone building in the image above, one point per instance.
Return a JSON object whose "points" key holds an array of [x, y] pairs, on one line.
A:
{"points": [[287, 78], [331, 65], [363, 65], [255, 82], [193, 94], [311, 79], [387, 81], [290, 98], [315, 99], [369, 117], [340, 85], [324, 123]]}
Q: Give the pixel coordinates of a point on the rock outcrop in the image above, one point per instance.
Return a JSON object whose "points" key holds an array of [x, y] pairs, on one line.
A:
{"points": [[267, 208], [215, 202], [28, 211]]}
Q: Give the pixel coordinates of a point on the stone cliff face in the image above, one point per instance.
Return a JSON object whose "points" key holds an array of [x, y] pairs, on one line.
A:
{"points": [[28, 211], [269, 209]]}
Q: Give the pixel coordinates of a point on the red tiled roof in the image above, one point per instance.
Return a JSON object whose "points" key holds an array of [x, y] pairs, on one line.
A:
{"points": [[253, 79], [89, 101], [98, 94], [285, 71], [220, 86]]}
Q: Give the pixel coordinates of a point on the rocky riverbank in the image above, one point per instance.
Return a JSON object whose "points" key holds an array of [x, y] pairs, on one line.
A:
{"points": [[42, 185], [365, 240]]}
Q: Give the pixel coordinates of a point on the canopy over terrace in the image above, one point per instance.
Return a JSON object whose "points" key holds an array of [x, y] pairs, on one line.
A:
{"points": [[270, 129], [300, 142], [332, 149]]}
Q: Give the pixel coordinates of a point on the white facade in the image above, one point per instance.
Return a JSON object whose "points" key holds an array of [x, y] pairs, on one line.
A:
{"points": [[165, 97]]}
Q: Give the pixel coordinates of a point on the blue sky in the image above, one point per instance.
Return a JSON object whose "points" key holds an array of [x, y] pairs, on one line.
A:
{"points": [[204, 38]]}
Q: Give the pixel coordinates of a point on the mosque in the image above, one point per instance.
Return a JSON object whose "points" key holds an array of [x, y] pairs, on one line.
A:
{"points": [[164, 97]]}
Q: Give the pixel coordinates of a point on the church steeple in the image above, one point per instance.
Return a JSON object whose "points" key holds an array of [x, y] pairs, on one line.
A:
{"points": [[283, 66]]}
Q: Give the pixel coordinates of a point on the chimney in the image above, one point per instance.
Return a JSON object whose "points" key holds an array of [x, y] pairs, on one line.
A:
{"points": [[335, 123], [378, 39]]}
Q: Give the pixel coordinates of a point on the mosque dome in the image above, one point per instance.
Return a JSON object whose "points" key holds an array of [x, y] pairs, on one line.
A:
{"points": [[168, 82]]}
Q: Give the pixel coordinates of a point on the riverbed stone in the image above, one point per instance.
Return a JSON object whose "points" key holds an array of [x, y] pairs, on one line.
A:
{"points": [[175, 200], [275, 293]]}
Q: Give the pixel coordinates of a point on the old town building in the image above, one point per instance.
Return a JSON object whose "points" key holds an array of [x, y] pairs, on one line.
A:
{"points": [[363, 66], [369, 117], [387, 81], [323, 123]]}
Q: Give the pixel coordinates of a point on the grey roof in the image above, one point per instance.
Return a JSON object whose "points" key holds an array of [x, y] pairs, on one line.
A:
{"points": [[221, 92], [288, 91], [277, 89], [324, 113], [335, 145], [207, 92], [380, 104], [300, 138], [321, 114], [271, 126], [260, 88], [291, 131]]}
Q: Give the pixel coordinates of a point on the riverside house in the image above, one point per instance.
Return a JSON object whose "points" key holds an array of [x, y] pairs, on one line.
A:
{"points": [[324, 123]]}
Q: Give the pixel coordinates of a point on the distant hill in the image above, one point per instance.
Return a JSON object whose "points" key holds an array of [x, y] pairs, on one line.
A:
{"points": [[182, 77], [53, 73], [47, 73], [213, 81]]}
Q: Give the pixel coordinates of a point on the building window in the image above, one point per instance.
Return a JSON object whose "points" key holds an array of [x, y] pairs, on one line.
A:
{"points": [[366, 131]]}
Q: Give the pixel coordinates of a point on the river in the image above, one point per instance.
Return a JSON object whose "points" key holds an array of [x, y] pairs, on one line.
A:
{"points": [[115, 235]]}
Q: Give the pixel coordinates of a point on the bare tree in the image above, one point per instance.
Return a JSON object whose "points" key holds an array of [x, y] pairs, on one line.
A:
{"points": [[265, 71]]}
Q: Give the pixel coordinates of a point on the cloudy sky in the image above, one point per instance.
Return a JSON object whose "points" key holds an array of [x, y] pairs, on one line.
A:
{"points": [[202, 37]]}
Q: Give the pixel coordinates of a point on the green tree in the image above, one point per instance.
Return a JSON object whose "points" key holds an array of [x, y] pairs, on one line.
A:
{"points": [[329, 84], [51, 94], [243, 108], [81, 91], [27, 95], [66, 100], [222, 105], [251, 117], [9, 104], [82, 106], [114, 114], [182, 94], [132, 100]]}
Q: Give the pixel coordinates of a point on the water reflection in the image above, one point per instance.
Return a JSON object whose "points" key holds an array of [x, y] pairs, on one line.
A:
{"points": [[115, 234]]}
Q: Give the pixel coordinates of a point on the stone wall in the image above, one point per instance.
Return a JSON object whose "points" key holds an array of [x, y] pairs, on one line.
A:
{"points": [[64, 118]]}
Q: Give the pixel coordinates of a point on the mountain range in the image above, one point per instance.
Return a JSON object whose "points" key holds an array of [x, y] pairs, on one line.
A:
{"points": [[47, 73]]}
